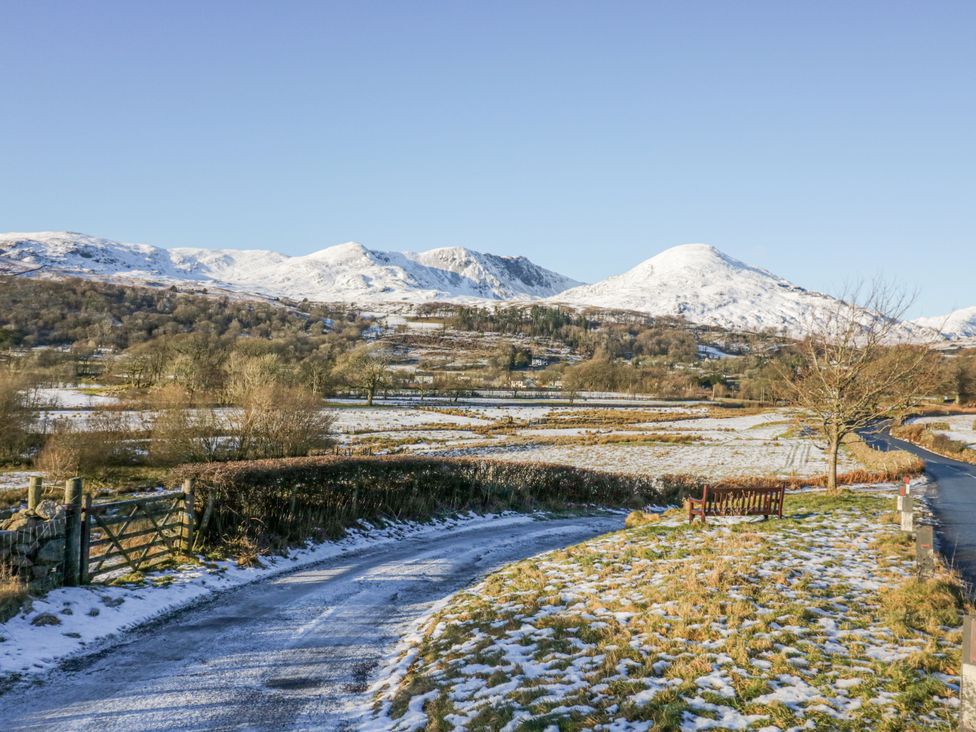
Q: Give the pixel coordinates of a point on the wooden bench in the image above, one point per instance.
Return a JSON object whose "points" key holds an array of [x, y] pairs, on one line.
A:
{"points": [[736, 501]]}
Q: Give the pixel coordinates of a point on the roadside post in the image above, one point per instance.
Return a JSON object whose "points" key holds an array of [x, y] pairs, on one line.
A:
{"points": [[967, 677], [925, 551], [905, 508]]}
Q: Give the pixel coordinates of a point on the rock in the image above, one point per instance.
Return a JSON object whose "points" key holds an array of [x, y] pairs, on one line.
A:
{"points": [[72, 635], [49, 510], [93, 612], [25, 549], [16, 522], [51, 552], [46, 619]]}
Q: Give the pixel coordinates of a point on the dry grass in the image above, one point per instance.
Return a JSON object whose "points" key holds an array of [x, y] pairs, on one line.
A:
{"points": [[13, 594], [662, 621]]}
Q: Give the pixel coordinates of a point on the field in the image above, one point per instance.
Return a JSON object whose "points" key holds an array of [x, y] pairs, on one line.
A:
{"points": [[815, 621], [959, 427], [648, 438], [653, 440]]}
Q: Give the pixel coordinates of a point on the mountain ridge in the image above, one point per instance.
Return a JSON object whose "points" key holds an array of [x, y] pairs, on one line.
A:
{"points": [[344, 272], [695, 281], [957, 325]]}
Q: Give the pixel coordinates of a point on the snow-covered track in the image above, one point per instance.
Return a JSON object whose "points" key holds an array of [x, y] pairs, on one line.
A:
{"points": [[293, 652]]}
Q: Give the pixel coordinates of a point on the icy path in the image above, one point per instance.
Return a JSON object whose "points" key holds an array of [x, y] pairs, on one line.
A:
{"points": [[295, 652]]}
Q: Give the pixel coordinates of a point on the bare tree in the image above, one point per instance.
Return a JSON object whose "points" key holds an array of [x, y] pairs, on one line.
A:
{"points": [[366, 368], [858, 364]]}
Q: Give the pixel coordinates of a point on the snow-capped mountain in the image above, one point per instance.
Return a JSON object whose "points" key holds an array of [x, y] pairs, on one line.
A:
{"points": [[343, 273], [956, 325], [705, 286], [693, 281]]}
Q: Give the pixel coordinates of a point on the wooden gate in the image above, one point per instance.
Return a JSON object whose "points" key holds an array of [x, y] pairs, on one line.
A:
{"points": [[135, 534]]}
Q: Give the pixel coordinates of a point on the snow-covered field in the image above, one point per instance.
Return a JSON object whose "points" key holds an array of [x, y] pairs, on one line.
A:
{"points": [[962, 427], [71, 397], [815, 621], [760, 444]]}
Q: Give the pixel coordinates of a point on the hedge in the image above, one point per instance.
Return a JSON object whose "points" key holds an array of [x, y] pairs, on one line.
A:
{"points": [[282, 502]]}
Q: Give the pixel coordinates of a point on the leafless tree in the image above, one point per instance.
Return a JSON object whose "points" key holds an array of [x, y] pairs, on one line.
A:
{"points": [[858, 364], [367, 368]]}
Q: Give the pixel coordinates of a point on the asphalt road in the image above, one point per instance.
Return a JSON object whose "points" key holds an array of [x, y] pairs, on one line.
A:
{"points": [[952, 499], [293, 653]]}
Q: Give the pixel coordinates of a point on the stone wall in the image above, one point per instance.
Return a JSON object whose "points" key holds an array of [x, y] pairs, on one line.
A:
{"points": [[32, 545]]}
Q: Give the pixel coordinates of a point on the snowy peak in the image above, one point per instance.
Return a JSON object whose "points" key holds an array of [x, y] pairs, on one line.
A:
{"points": [[704, 285], [344, 273], [956, 325]]}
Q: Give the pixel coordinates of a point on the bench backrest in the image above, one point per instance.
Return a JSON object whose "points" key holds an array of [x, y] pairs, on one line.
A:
{"points": [[722, 499]]}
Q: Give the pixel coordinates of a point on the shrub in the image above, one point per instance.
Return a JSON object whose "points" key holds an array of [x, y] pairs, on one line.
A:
{"points": [[184, 435], [16, 416], [279, 422], [106, 441]]}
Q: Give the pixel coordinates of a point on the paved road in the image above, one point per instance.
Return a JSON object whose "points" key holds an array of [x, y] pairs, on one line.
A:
{"points": [[292, 653], [953, 502]]}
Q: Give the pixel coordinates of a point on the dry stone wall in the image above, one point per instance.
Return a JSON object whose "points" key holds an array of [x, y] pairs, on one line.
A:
{"points": [[32, 545]]}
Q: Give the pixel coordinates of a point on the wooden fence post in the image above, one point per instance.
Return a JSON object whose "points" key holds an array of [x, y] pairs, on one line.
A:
{"points": [[72, 531], [34, 491], [189, 516], [86, 522], [967, 677]]}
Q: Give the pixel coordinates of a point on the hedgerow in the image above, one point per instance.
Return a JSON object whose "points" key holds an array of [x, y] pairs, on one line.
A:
{"points": [[282, 502]]}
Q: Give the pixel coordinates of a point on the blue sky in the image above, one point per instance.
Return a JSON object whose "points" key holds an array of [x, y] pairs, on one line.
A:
{"points": [[825, 141]]}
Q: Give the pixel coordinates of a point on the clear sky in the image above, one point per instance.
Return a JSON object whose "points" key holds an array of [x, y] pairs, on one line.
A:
{"points": [[825, 141]]}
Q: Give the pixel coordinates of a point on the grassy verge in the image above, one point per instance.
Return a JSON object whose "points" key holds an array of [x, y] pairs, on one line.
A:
{"points": [[814, 621], [894, 463]]}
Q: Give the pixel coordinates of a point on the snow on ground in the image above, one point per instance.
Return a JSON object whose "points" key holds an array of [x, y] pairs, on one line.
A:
{"points": [[962, 427], [724, 460], [15, 479], [777, 625], [379, 419], [84, 616], [768, 443], [72, 397]]}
